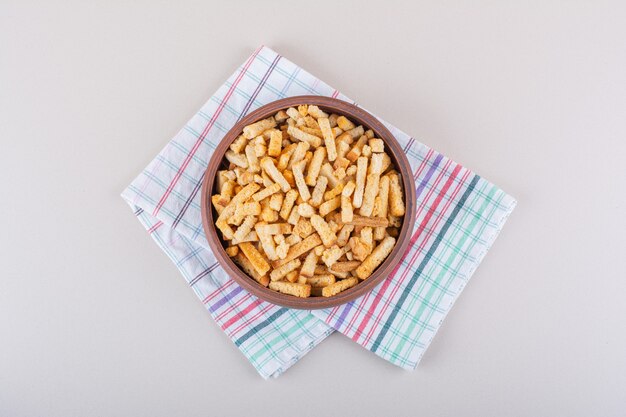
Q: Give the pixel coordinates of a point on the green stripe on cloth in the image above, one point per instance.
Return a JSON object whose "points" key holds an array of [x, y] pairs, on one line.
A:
{"points": [[429, 254], [260, 326], [466, 232], [280, 337]]}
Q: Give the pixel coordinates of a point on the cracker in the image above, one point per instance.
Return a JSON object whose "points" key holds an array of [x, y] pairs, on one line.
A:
{"points": [[339, 286], [326, 235], [329, 195], [329, 138], [247, 209], [308, 266], [305, 210], [327, 171], [369, 221], [293, 113], [370, 193], [266, 192], [331, 255], [285, 155], [361, 172], [298, 154], [254, 256], [237, 159], [300, 183], [383, 194], [284, 269], [357, 132], [299, 249], [345, 266], [292, 276], [255, 129], [377, 145], [238, 144], [344, 234], [274, 228], [248, 268], [292, 288], [253, 160], [275, 145], [315, 166], [356, 149], [267, 243], [215, 200], [281, 116], [302, 136], [347, 213], [268, 165], [276, 201], [344, 123], [377, 257], [396, 202], [293, 239], [320, 281], [329, 206], [318, 192], [316, 112], [232, 251], [294, 216]]}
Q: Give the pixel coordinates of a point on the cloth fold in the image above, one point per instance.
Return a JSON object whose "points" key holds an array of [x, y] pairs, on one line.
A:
{"points": [[459, 215]]}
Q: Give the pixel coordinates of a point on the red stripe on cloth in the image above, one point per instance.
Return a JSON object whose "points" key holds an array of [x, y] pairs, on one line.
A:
{"points": [[365, 299], [218, 291], [414, 238], [155, 226], [249, 320], [240, 314], [335, 94], [206, 130], [421, 247], [424, 164], [232, 307]]}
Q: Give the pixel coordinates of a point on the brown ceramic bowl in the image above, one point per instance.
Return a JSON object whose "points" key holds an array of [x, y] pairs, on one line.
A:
{"points": [[329, 105]]}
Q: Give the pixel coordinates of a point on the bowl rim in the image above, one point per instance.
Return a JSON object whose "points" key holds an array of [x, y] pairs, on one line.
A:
{"points": [[312, 303]]}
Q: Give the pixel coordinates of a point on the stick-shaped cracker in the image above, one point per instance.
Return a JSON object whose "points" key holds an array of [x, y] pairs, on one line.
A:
{"points": [[291, 288], [396, 202], [318, 192], [320, 281], [298, 176], [327, 236], [288, 202], [308, 266], [345, 266], [375, 258], [339, 286], [255, 129], [276, 140], [383, 193], [254, 256], [284, 269], [361, 171], [315, 166], [268, 165], [246, 265], [299, 248], [329, 138], [304, 137]]}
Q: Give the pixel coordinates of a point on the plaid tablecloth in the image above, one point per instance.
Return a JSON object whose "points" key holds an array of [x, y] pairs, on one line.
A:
{"points": [[459, 215]]}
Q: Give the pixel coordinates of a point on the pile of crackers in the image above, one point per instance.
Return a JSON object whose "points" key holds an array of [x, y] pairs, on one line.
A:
{"points": [[311, 203]]}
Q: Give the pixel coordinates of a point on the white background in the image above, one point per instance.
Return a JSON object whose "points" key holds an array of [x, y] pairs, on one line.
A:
{"points": [[96, 321]]}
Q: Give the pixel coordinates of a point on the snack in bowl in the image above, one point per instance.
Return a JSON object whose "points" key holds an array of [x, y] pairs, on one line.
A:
{"points": [[311, 204]]}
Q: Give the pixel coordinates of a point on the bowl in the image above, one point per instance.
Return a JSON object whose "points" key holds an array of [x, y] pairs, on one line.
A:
{"points": [[329, 105]]}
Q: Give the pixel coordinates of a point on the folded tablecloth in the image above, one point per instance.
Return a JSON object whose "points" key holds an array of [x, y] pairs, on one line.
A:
{"points": [[459, 215]]}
